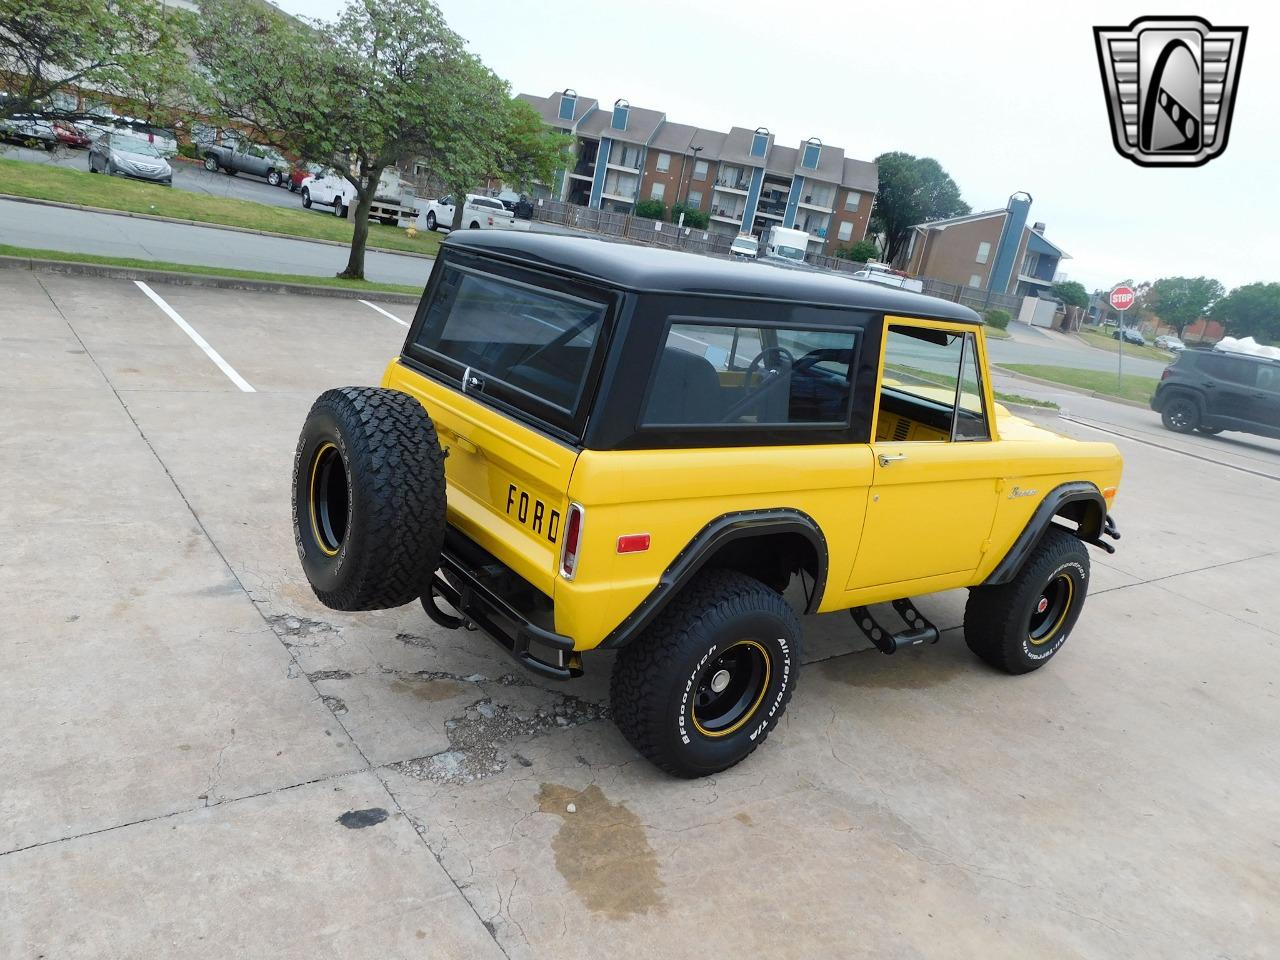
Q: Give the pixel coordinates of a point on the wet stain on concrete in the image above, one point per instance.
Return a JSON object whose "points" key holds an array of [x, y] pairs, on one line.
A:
{"points": [[603, 853], [299, 631], [744, 818], [913, 669], [432, 691], [359, 819], [336, 704], [329, 675]]}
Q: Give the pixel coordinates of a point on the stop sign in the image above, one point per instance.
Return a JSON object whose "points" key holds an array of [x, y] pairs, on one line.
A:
{"points": [[1121, 298]]}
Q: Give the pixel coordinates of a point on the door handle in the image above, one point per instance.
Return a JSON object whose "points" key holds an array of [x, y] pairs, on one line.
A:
{"points": [[1207, 385], [886, 459]]}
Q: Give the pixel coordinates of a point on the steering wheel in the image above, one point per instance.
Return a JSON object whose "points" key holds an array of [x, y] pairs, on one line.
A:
{"points": [[773, 359]]}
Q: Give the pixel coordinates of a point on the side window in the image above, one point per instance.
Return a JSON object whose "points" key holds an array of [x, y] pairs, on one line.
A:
{"points": [[723, 374], [1269, 378], [931, 389], [1231, 369]]}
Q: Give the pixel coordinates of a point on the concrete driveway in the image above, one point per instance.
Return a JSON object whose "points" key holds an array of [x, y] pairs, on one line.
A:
{"points": [[202, 761]]}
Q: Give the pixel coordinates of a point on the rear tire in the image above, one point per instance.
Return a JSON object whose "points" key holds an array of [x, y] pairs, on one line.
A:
{"points": [[725, 630], [273, 178], [1017, 627], [431, 221], [339, 208], [1181, 415], [368, 498]]}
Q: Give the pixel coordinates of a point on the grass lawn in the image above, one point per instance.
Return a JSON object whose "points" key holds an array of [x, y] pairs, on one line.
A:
{"points": [[927, 376], [995, 333], [365, 285], [1099, 381], [47, 182], [1104, 342]]}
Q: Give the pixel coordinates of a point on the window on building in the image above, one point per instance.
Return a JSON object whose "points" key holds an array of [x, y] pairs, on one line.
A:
{"points": [[664, 162], [975, 280], [932, 388], [568, 104], [851, 200], [846, 230], [693, 199], [812, 152], [657, 191], [700, 170], [621, 112], [984, 251], [759, 142], [725, 375]]}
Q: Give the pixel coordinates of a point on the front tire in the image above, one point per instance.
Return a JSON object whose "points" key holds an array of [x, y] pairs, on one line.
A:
{"points": [[306, 197], [1019, 626], [368, 498], [710, 678], [1181, 415]]}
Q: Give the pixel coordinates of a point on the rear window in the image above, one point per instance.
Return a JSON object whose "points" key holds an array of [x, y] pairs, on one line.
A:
{"points": [[521, 346]]}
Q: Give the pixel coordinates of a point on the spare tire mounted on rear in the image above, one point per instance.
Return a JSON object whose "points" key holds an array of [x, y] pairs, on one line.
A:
{"points": [[368, 498]]}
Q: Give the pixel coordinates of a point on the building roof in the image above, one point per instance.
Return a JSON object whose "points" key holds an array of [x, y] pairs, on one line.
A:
{"points": [[655, 270], [711, 142], [963, 218], [781, 160], [830, 164], [737, 148], [642, 123], [861, 175], [549, 107], [1037, 243], [675, 137]]}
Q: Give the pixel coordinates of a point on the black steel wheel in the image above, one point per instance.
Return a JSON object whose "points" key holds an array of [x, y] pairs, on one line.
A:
{"points": [[1181, 415]]}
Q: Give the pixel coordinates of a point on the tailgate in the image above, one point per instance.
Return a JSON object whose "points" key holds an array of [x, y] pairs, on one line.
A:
{"points": [[507, 482]]}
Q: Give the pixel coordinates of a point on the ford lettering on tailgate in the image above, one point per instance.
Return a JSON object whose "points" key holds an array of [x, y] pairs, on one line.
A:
{"points": [[533, 513]]}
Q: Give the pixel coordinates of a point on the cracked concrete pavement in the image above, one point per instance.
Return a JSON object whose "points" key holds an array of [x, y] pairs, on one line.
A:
{"points": [[203, 761]]}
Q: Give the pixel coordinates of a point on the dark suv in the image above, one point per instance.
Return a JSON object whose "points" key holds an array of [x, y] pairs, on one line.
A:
{"points": [[1211, 391]]}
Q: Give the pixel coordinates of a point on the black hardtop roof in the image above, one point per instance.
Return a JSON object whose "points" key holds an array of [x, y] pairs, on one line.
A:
{"points": [[654, 270]]}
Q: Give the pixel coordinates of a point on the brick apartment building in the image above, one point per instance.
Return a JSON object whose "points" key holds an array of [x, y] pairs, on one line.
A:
{"points": [[992, 250], [742, 179]]}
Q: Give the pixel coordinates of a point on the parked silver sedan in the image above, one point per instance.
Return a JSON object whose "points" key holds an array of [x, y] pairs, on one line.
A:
{"points": [[129, 156]]}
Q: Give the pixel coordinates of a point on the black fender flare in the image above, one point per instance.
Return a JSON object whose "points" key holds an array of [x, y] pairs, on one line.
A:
{"points": [[740, 525], [1179, 390], [1092, 525]]}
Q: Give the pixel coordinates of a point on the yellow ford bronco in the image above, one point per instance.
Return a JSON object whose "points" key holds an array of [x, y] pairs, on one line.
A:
{"points": [[587, 446]]}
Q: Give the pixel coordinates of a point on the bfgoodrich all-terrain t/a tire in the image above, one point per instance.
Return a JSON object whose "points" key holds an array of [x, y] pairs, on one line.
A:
{"points": [[704, 685], [368, 498], [1018, 626]]}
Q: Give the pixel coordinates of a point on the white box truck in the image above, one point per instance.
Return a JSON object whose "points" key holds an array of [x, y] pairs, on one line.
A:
{"points": [[783, 243]]}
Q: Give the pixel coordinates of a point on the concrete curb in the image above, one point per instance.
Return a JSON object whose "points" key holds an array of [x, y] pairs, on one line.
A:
{"points": [[1069, 389], [73, 268], [211, 226]]}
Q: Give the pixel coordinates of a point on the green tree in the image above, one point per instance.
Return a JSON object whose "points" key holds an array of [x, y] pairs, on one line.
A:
{"points": [[1251, 311], [861, 252], [115, 47], [1071, 293], [1181, 301], [694, 218], [653, 209], [912, 190]]}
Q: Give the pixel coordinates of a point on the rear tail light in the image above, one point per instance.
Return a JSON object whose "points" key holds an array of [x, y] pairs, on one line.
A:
{"points": [[572, 542]]}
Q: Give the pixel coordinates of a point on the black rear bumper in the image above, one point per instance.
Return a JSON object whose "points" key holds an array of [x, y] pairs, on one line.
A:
{"points": [[477, 585]]}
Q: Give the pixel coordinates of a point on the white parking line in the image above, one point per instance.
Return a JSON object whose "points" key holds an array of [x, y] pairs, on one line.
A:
{"points": [[200, 341], [389, 316]]}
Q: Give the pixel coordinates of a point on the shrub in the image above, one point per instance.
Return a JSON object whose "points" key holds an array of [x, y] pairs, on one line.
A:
{"points": [[189, 150], [693, 217], [652, 209], [862, 251], [995, 317]]}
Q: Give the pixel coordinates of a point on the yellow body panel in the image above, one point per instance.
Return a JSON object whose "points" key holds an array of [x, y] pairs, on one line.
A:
{"points": [[936, 515]]}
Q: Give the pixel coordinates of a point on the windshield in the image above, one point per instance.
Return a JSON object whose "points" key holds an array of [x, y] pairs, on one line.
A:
{"points": [[134, 145], [791, 253]]}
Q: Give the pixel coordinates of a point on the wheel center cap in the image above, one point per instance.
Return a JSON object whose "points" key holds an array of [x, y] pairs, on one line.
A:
{"points": [[719, 681], [1043, 605]]}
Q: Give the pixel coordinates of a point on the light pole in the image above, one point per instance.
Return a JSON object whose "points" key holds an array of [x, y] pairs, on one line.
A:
{"points": [[696, 151]]}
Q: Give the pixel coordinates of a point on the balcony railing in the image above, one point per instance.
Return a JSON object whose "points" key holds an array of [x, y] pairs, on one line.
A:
{"points": [[733, 183]]}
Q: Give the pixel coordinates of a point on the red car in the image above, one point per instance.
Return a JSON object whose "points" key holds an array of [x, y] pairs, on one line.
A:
{"points": [[294, 182], [69, 135]]}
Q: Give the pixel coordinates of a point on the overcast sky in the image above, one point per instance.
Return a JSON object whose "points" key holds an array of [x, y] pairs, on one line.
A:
{"points": [[1006, 96]]}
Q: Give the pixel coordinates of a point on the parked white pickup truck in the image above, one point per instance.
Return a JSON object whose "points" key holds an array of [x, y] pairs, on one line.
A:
{"points": [[394, 201], [478, 213]]}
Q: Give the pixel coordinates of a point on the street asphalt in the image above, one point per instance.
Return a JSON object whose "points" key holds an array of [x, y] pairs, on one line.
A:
{"points": [[201, 761]]}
